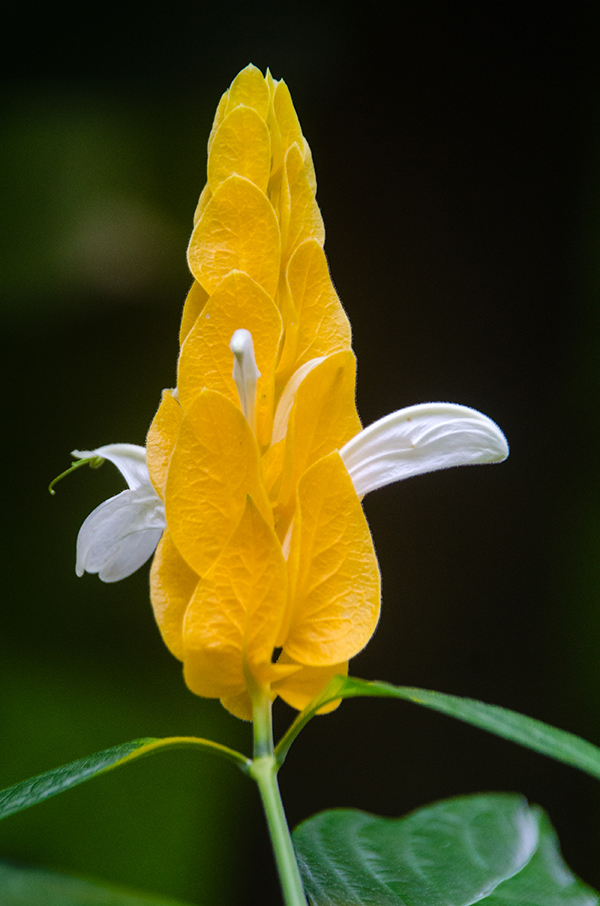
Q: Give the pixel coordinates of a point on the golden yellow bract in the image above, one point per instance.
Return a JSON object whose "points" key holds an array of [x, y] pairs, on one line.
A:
{"points": [[206, 359], [266, 545], [221, 241], [237, 607]]}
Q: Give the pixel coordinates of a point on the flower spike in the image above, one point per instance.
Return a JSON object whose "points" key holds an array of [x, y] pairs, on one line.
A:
{"points": [[421, 439], [266, 578]]}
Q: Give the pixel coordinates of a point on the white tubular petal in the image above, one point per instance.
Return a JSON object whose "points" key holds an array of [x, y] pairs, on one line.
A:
{"points": [[129, 459], [245, 372], [421, 439], [284, 407], [120, 534]]}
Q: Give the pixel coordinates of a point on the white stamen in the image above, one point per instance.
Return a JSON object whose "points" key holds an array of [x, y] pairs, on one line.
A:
{"points": [[245, 372]]}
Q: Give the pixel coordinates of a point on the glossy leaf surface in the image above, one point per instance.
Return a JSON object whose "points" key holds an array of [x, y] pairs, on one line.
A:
{"points": [[526, 731], [493, 849], [36, 789]]}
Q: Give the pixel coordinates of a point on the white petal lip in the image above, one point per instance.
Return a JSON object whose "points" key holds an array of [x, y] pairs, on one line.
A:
{"points": [[420, 439], [129, 459], [122, 533]]}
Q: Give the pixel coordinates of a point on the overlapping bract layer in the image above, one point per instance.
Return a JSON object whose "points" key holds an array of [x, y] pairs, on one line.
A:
{"points": [[266, 545], [265, 579]]}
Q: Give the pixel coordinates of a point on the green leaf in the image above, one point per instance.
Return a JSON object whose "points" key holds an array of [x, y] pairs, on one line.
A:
{"points": [[32, 887], [527, 731], [493, 849], [43, 786]]}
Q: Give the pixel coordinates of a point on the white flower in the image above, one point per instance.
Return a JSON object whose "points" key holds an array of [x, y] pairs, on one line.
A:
{"points": [[420, 439], [122, 533]]}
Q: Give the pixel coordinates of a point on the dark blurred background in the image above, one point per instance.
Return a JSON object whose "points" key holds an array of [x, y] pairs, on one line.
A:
{"points": [[456, 147]]}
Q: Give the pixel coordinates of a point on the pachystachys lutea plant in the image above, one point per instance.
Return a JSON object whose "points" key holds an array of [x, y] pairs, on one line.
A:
{"points": [[264, 581], [256, 461]]}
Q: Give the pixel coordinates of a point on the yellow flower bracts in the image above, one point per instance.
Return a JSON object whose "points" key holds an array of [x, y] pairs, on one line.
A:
{"points": [[266, 550]]}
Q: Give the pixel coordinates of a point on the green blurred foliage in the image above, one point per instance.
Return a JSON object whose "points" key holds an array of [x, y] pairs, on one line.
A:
{"points": [[81, 172], [456, 149]]}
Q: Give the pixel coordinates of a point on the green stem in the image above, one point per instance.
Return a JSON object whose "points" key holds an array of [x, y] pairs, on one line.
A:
{"points": [[262, 724], [264, 771]]}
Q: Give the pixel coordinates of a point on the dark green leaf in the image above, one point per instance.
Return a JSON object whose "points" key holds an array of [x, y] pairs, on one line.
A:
{"points": [[43, 786], [527, 731], [494, 849], [27, 887]]}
